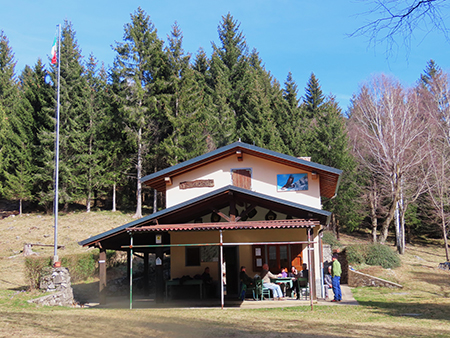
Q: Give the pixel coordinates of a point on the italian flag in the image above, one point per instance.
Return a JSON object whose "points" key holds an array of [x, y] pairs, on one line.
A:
{"points": [[54, 51]]}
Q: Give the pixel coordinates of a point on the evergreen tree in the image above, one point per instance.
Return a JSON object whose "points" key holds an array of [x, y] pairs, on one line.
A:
{"points": [[73, 119], [258, 125], [93, 160], [40, 96], [291, 122], [229, 68], [313, 98], [17, 146], [139, 77], [328, 144], [184, 107]]}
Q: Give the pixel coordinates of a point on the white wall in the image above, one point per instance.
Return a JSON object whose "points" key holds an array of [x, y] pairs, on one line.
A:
{"points": [[264, 180]]}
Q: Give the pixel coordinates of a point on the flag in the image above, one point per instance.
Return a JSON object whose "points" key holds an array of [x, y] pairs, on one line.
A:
{"points": [[54, 48]]}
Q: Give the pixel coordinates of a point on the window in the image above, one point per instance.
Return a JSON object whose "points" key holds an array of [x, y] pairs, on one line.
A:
{"points": [[277, 256], [242, 178], [196, 255], [192, 256]]}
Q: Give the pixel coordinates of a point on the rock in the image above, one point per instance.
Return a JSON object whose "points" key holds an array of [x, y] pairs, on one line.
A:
{"points": [[444, 266], [56, 281]]}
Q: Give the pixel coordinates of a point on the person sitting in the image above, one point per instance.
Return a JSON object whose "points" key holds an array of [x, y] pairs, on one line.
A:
{"points": [[266, 275], [208, 282], [283, 273], [327, 281], [295, 287], [304, 274], [245, 279]]}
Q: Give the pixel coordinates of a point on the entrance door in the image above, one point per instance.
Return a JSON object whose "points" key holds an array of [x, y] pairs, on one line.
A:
{"points": [[230, 255]]}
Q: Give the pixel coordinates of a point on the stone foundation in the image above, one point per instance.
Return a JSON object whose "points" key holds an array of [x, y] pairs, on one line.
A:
{"points": [[356, 278], [55, 281]]}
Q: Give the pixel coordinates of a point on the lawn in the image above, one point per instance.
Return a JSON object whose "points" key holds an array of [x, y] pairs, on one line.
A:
{"points": [[420, 309]]}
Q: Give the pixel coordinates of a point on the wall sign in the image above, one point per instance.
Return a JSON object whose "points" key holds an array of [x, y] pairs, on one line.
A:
{"points": [[196, 184], [292, 182]]}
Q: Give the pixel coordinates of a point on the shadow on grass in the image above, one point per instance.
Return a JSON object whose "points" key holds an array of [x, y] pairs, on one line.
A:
{"points": [[416, 310]]}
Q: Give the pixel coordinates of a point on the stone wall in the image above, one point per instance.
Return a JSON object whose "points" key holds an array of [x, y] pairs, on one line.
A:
{"points": [[56, 282], [356, 278]]}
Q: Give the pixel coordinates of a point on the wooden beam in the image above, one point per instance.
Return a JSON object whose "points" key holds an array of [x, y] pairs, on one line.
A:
{"points": [[168, 180], [239, 155], [221, 214], [102, 273]]}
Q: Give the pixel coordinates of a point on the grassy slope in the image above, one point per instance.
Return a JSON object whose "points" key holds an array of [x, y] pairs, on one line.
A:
{"points": [[420, 309]]}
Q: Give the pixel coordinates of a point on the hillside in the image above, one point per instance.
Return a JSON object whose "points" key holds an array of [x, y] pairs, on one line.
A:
{"points": [[39, 229], [419, 272]]}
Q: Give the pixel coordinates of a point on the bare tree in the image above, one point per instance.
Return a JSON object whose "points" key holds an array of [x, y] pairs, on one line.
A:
{"points": [[401, 18], [435, 92], [391, 140]]}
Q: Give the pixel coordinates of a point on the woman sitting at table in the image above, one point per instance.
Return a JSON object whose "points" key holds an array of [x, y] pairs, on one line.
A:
{"points": [[266, 275], [295, 287]]}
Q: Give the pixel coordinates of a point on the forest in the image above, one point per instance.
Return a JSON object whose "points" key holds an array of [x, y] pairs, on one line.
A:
{"points": [[158, 105]]}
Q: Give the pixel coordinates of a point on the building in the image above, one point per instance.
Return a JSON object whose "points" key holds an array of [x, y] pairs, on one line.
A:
{"points": [[239, 204]]}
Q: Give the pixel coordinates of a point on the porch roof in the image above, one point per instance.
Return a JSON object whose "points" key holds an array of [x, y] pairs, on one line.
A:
{"points": [[329, 177], [247, 225], [181, 214]]}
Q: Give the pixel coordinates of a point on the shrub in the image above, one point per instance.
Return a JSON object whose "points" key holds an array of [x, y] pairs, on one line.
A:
{"points": [[356, 254], [329, 238], [81, 266], [383, 255], [33, 270], [373, 254]]}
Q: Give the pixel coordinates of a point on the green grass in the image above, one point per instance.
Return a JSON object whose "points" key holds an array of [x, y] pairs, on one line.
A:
{"points": [[420, 309]]}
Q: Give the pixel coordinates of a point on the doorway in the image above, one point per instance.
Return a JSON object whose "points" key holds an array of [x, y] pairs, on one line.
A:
{"points": [[230, 254]]}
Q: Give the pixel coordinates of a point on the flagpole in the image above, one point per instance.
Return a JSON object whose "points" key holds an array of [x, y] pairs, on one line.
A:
{"points": [[55, 204]]}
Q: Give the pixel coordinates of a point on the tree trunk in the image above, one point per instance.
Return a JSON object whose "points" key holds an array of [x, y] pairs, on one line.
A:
{"points": [[444, 233], [138, 213], [387, 222], [373, 216], [155, 200], [114, 197], [88, 202]]}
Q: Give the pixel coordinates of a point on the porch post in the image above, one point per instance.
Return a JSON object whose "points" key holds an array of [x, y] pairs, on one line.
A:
{"points": [[146, 280], [311, 271], [131, 271], [159, 275], [221, 269], [102, 272]]}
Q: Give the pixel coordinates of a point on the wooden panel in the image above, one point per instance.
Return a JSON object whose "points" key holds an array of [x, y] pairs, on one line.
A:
{"points": [[296, 256], [242, 178]]}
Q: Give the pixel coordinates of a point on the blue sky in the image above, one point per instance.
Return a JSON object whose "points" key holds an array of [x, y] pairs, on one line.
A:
{"points": [[298, 36]]}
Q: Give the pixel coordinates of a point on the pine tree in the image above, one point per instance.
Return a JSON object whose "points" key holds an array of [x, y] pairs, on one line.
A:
{"points": [[17, 146], [184, 106], [314, 97], [291, 121], [73, 119], [139, 73], [40, 96], [258, 125], [229, 68], [328, 144]]}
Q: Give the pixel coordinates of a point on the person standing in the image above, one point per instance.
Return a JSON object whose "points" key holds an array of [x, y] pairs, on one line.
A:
{"points": [[336, 272]]}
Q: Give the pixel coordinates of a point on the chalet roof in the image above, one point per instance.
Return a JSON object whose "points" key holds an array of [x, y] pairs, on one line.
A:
{"points": [[329, 177], [276, 224], [185, 212]]}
